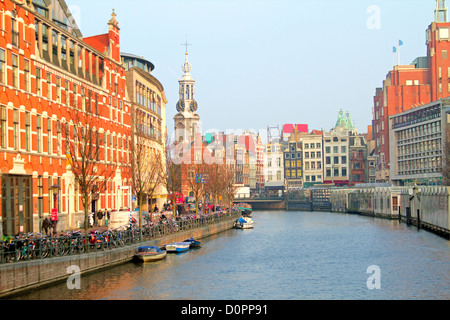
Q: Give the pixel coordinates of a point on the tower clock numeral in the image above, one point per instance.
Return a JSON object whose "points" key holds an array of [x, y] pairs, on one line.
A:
{"points": [[193, 106]]}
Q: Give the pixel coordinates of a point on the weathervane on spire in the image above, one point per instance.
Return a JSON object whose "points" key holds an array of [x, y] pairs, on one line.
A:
{"points": [[186, 66], [186, 45]]}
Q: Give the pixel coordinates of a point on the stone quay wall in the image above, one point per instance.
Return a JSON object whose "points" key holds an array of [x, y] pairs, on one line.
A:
{"points": [[427, 207], [27, 275]]}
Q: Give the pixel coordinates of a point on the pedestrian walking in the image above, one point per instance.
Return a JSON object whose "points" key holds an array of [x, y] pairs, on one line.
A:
{"points": [[46, 225], [100, 217], [106, 218]]}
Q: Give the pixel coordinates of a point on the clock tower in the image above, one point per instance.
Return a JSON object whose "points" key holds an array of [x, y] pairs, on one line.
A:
{"points": [[186, 120]]}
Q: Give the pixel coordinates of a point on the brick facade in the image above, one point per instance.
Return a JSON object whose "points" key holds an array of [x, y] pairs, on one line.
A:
{"points": [[48, 74], [425, 80]]}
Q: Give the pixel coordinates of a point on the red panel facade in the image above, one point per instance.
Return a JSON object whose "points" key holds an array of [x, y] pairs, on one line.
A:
{"points": [[40, 86], [410, 86]]}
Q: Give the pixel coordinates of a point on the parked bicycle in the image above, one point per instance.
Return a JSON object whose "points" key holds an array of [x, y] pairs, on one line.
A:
{"points": [[38, 246]]}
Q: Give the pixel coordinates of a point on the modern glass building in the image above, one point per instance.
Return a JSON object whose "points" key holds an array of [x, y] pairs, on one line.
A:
{"points": [[419, 144]]}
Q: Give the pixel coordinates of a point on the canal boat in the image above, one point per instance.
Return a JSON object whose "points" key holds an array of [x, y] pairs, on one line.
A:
{"points": [[150, 253], [193, 243], [244, 208], [178, 247], [244, 223]]}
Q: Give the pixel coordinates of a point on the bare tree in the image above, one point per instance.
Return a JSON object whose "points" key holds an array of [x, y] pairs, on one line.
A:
{"points": [[196, 176], [171, 177], [215, 183], [146, 165], [229, 183], [83, 142]]}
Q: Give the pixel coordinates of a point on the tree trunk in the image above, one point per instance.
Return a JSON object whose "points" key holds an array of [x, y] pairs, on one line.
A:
{"points": [[140, 202], [174, 208], [86, 215]]}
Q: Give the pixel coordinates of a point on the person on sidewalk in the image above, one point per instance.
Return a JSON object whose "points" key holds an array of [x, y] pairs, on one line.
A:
{"points": [[107, 217], [100, 217], [46, 225], [94, 217]]}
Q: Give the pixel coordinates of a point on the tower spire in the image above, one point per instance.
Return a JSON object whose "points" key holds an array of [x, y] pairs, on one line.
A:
{"points": [[441, 11], [187, 121], [186, 67], [186, 45]]}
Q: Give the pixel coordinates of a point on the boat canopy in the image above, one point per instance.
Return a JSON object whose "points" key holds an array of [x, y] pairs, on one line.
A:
{"points": [[149, 249]]}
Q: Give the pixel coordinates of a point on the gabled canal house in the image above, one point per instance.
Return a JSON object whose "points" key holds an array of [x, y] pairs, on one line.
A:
{"points": [[293, 160], [312, 158], [336, 146], [48, 72], [274, 163]]}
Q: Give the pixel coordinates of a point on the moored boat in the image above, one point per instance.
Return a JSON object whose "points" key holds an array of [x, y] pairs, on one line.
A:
{"points": [[150, 253], [244, 223], [193, 243], [178, 246], [244, 208]]}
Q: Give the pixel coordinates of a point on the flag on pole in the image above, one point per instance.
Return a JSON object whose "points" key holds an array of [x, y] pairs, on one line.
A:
{"points": [[394, 50], [400, 42]]}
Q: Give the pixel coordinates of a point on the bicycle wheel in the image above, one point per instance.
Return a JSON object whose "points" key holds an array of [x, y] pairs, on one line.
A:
{"points": [[10, 257], [44, 250], [56, 249]]}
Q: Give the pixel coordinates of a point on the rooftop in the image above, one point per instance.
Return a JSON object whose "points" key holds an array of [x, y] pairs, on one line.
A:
{"points": [[137, 61]]}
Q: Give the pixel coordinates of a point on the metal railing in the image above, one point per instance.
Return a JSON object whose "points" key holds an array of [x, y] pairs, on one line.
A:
{"points": [[38, 246], [260, 197]]}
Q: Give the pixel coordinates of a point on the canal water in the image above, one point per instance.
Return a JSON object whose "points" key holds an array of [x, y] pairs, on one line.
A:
{"points": [[287, 256]]}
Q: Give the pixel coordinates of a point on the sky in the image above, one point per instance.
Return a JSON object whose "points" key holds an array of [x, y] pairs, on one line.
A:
{"points": [[265, 63]]}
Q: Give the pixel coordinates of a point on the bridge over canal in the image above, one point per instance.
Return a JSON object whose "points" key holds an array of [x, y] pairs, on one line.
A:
{"points": [[276, 203]]}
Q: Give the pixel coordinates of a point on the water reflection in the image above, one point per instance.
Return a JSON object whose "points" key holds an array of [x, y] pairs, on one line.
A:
{"points": [[288, 255]]}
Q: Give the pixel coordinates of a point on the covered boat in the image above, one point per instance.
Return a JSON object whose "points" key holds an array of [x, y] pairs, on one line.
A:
{"points": [[194, 243], [244, 223], [150, 253], [244, 208], [178, 246]]}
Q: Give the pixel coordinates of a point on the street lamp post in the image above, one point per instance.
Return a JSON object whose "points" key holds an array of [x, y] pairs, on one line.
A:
{"points": [[416, 191], [54, 214]]}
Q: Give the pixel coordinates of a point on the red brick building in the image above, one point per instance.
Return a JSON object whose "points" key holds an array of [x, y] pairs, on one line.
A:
{"points": [[358, 153], [425, 80], [48, 71]]}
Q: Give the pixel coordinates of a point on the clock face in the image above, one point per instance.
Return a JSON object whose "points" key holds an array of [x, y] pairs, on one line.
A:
{"points": [[193, 106], [181, 106]]}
